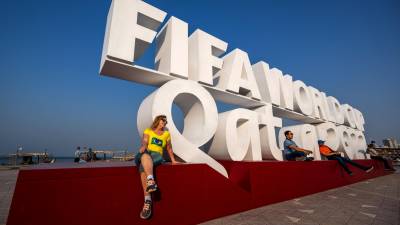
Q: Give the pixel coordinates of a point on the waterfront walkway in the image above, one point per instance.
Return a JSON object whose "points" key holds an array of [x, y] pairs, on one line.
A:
{"points": [[371, 202], [375, 202], [8, 179]]}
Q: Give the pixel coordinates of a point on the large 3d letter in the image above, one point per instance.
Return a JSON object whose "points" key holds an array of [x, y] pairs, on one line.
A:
{"points": [[286, 90], [204, 50], [328, 133], [361, 143], [330, 116], [302, 98], [131, 27], [267, 123], [237, 75], [319, 106], [172, 48], [348, 113], [359, 119], [200, 119], [274, 87], [237, 137], [345, 141], [335, 109]]}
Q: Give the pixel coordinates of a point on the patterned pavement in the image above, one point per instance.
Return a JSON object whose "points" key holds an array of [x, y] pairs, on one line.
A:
{"points": [[371, 202], [7, 185]]}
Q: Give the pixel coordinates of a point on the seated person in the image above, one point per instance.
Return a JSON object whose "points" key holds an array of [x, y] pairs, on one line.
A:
{"points": [[373, 144], [374, 155], [292, 151], [155, 139], [77, 154], [334, 155]]}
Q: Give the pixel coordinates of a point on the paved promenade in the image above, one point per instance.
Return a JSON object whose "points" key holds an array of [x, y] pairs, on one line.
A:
{"points": [[372, 202], [7, 185]]}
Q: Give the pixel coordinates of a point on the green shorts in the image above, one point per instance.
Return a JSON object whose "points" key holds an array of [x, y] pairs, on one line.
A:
{"points": [[155, 156]]}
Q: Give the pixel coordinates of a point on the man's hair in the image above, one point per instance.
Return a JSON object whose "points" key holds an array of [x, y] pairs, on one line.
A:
{"points": [[287, 132]]}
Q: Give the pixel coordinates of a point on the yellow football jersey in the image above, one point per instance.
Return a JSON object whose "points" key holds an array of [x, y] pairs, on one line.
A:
{"points": [[157, 142]]}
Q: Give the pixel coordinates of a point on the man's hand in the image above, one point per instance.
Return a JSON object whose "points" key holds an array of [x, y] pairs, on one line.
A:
{"points": [[307, 152], [334, 153]]}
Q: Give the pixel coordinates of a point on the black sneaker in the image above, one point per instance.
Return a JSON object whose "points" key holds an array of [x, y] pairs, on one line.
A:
{"points": [[350, 174], [309, 159], [151, 186], [146, 211]]}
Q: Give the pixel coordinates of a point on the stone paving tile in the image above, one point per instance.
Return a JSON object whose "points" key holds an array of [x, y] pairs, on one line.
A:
{"points": [[281, 219], [244, 219], [8, 179], [381, 222], [362, 218], [334, 220], [372, 202], [389, 217], [319, 216]]}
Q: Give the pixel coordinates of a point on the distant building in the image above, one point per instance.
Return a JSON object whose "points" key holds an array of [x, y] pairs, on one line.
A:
{"points": [[395, 144]]}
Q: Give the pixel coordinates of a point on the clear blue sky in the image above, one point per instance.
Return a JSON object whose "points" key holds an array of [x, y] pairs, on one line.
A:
{"points": [[51, 96]]}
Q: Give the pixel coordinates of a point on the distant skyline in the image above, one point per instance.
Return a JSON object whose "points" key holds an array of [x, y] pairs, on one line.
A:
{"points": [[52, 97]]}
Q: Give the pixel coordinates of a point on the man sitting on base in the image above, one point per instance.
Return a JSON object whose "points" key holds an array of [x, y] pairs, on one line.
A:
{"points": [[375, 155], [292, 151], [334, 155]]}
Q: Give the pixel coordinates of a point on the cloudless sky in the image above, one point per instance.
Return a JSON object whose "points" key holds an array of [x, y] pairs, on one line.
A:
{"points": [[52, 97]]}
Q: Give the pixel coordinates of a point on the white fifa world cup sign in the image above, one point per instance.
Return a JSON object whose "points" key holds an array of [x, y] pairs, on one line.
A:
{"points": [[195, 71]]}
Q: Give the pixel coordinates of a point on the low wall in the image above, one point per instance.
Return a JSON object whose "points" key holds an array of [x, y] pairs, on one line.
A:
{"points": [[189, 193]]}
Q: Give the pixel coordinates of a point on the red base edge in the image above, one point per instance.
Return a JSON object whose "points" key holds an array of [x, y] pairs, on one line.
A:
{"points": [[189, 193]]}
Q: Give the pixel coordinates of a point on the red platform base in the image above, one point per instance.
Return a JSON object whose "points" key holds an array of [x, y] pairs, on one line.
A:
{"points": [[189, 193]]}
